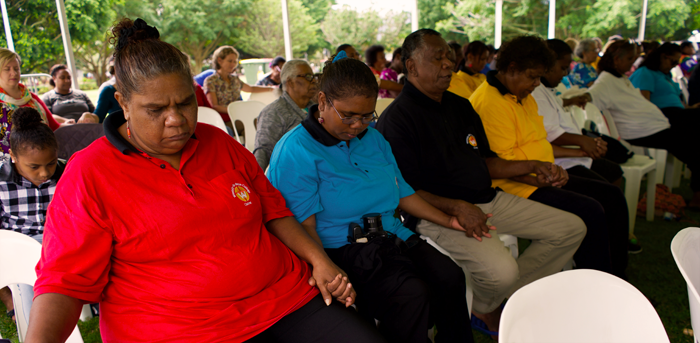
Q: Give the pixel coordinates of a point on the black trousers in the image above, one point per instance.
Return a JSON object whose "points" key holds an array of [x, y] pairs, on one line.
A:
{"points": [[601, 169], [315, 322], [678, 140], [603, 208], [431, 288]]}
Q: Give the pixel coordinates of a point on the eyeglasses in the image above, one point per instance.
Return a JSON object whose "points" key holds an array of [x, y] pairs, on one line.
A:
{"points": [[309, 77], [353, 120]]}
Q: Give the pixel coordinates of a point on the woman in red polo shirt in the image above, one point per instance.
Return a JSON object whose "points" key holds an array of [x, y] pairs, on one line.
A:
{"points": [[176, 231]]}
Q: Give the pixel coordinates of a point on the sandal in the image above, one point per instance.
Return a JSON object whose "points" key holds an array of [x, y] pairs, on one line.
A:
{"points": [[10, 313], [480, 326]]}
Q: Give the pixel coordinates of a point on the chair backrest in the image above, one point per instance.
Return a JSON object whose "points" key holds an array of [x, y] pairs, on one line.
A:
{"points": [[266, 97], [594, 115], [580, 306], [76, 137], [19, 254], [382, 104], [685, 249], [579, 116], [247, 112], [611, 124], [210, 116]]}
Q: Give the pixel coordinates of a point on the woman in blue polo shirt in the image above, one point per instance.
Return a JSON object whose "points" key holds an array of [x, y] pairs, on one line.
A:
{"points": [[332, 169], [653, 78]]}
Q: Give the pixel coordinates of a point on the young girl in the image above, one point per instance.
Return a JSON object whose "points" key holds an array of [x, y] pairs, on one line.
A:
{"points": [[27, 184]]}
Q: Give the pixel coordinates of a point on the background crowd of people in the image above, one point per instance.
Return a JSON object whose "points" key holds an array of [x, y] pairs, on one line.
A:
{"points": [[200, 240]]}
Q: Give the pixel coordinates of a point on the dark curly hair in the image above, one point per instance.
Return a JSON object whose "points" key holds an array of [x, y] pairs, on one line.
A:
{"points": [[140, 56], [371, 54], [524, 52], [653, 60], [347, 78], [54, 71], [29, 132], [475, 48], [560, 48]]}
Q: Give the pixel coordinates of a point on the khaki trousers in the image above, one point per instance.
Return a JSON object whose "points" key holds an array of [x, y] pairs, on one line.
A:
{"points": [[555, 236]]}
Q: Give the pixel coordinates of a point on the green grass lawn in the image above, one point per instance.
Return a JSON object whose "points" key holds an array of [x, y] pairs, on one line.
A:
{"points": [[653, 272]]}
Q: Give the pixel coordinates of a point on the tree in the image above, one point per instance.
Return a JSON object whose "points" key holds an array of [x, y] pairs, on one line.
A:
{"points": [[347, 26], [609, 17], [431, 12], [36, 34], [318, 9], [198, 27], [89, 21], [261, 32], [397, 25]]}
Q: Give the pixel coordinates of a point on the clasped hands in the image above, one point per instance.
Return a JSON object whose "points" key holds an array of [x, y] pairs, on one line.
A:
{"points": [[333, 283]]}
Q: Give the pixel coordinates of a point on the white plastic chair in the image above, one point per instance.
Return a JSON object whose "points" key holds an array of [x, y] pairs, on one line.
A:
{"points": [[511, 242], [685, 248], [382, 104], [659, 155], [580, 306], [633, 170], [19, 254], [247, 112], [210, 116], [266, 97]]}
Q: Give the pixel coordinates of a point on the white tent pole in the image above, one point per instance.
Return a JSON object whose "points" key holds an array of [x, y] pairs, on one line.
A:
{"points": [[499, 22], [67, 45], [287, 33], [6, 21], [643, 21], [552, 19], [414, 16]]}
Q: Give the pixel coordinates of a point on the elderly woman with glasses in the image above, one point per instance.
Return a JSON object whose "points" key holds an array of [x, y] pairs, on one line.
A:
{"points": [[299, 85], [584, 74], [333, 170]]}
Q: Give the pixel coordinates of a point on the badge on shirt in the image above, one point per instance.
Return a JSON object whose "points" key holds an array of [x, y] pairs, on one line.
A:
{"points": [[471, 140], [241, 192]]}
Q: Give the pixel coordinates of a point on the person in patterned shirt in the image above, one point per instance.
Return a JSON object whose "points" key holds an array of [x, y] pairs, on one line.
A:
{"points": [[27, 184]]}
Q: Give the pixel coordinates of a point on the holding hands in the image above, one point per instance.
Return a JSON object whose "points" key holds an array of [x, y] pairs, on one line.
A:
{"points": [[333, 283], [472, 221], [549, 174]]}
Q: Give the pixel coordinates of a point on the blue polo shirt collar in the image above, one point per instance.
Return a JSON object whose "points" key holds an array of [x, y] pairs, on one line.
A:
{"points": [[318, 132]]}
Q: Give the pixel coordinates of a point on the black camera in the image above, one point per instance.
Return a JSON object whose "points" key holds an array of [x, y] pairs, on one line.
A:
{"points": [[372, 229]]}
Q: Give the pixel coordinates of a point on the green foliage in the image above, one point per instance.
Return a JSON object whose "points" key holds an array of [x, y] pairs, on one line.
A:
{"points": [[262, 34], [362, 29], [36, 34], [197, 27], [431, 12], [347, 26], [666, 20], [607, 17], [318, 9]]}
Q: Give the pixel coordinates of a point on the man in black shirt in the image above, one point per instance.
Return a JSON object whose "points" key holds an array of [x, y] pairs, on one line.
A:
{"points": [[443, 153]]}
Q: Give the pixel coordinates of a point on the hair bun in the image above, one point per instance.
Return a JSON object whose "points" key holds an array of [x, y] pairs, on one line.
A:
{"points": [[25, 118], [127, 31]]}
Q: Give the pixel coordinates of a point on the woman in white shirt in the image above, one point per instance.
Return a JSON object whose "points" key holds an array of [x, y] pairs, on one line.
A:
{"points": [[638, 120]]}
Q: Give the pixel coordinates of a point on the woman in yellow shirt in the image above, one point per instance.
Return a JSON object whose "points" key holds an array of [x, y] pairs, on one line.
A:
{"points": [[516, 131], [469, 76]]}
